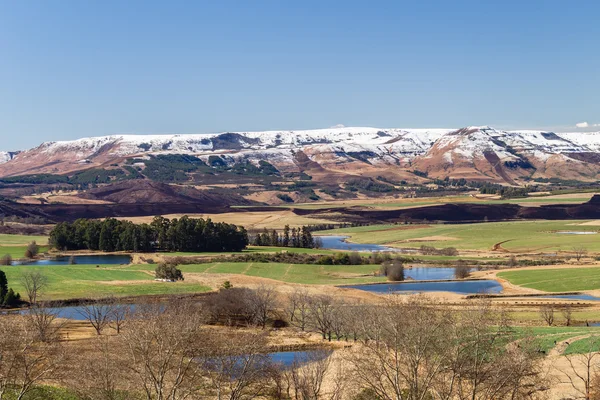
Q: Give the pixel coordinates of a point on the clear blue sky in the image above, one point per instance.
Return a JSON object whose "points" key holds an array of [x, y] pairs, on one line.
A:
{"points": [[75, 68]]}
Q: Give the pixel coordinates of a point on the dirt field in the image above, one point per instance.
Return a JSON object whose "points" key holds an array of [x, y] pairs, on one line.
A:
{"points": [[250, 219]]}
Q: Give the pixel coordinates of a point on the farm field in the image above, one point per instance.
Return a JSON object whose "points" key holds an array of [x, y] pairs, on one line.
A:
{"points": [[516, 236], [387, 203], [285, 272], [547, 336], [82, 281], [555, 280], [15, 245], [88, 281]]}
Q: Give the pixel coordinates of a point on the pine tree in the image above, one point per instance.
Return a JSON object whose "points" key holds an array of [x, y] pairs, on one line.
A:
{"points": [[3, 285], [286, 236], [11, 298]]}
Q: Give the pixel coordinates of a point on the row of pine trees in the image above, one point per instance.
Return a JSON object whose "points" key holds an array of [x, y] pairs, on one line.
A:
{"points": [[295, 237], [162, 234]]}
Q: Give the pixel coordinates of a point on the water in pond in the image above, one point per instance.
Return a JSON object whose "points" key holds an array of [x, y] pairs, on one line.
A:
{"points": [[339, 243], [576, 233], [287, 358], [459, 287], [582, 296], [429, 273], [70, 312], [87, 260]]}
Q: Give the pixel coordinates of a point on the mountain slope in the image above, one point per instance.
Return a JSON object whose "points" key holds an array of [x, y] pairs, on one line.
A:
{"points": [[477, 153]]}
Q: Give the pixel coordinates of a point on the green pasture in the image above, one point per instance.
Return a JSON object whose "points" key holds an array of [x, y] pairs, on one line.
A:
{"points": [[78, 281], [84, 281], [518, 236], [555, 279]]}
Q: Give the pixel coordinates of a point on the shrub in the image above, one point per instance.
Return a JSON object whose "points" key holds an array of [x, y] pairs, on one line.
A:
{"points": [[461, 270], [168, 271], [33, 249], [394, 271], [12, 299], [325, 260], [285, 197], [6, 260]]}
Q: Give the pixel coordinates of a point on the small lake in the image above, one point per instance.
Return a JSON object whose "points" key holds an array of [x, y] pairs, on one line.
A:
{"points": [[577, 233], [459, 287], [339, 243], [86, 260]]}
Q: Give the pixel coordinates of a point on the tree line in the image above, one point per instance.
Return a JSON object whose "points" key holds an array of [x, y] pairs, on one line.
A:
{"points": [[162, 234], [294, 237]]}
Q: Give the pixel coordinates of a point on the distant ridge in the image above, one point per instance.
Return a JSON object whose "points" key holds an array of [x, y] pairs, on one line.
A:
{"points": [[472, 153]]}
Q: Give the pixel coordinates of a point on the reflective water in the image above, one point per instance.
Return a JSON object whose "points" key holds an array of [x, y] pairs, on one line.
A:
{"points": [[429, 273], [339, 243], [87, 260], [459, 287], [582, 296], [287, 358], [70, 312]]}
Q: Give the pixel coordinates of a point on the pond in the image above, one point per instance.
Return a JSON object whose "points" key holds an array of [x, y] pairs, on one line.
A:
{"points": [[86, 260], [339, 243], [287, 358], [69, 312], [429, 273], [459, 287]]}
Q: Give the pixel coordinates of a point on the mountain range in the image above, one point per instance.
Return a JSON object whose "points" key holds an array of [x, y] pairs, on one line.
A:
{"points": [[478, 153]]}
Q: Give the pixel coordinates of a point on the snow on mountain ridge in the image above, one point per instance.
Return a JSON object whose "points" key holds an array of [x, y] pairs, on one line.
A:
{"points": [[391, 146]]}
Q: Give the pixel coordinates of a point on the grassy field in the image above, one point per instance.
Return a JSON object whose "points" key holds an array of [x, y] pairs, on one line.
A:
{"points": [[517, 235], [547, 336], [15, 245], [292, 273], [21, 240], [555, 280], [77, 281], [585, 345]]}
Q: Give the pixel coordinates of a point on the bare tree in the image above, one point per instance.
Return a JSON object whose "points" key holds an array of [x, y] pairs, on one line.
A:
{"points": [[409, 353], [34, 283], [96, 373], [583, 369], [321, 314], [567, 313], [579, 252], [547, 314], [236, 365], [98, 314], [161, 349], [25, 360], [423, 352], [264, 302], [118, 314], [298, 309], [461, 270], [44, 321], [307, 374]]}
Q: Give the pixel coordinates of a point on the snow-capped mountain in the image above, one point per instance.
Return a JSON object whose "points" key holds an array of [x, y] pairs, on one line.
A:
{"points": [[473, 152], [6, 156]]}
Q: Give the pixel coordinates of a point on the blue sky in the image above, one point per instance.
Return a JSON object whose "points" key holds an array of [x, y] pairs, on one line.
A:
{"points": [[71, 69]]}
